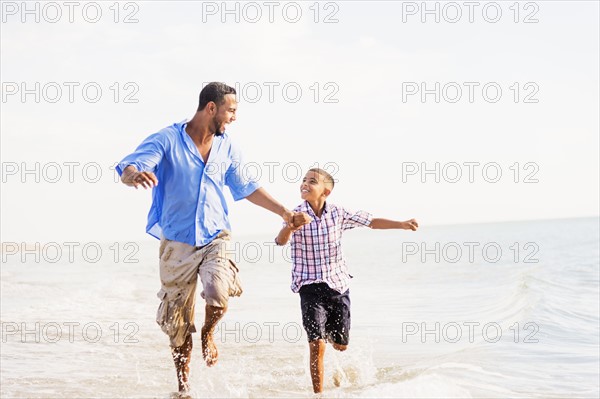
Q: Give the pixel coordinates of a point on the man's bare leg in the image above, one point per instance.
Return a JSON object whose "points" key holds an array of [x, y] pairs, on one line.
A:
{"points": [[209, 349], [317, 351], [182, 356]]}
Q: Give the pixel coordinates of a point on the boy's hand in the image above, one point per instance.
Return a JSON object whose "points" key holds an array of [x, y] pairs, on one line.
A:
{"points": [[300, 219], [411, 225]]}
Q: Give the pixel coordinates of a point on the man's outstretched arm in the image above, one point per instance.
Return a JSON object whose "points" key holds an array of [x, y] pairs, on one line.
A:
{"points": [[261, 198], [133, 178], [136, 168]]}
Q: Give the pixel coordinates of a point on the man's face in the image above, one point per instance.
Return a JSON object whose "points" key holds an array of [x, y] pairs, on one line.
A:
{"points": [[225, 114], [313, 186]]}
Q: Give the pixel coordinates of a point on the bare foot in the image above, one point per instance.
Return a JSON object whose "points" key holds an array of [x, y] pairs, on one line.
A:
{"points": [[209, 349], [337, 378], [184, 387]]}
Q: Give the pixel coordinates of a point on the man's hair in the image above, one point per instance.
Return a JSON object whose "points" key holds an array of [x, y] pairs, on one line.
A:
{"points": [[215, 92], [328, 179]]}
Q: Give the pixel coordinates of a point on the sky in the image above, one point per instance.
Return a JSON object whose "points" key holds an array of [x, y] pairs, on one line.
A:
{"points": [[447, 112]]}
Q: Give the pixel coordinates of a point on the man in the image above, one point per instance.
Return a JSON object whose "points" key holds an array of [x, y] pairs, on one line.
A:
{"points": [[188, 164]]}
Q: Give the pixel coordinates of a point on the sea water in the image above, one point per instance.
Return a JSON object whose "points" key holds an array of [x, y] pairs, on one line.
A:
{"points": [[482, 310]]}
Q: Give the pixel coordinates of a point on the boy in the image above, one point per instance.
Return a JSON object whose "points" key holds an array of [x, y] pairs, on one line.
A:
{"points": [[319, 271]]}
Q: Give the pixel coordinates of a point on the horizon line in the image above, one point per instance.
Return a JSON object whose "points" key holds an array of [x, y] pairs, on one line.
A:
{"points": [[151, 239]]}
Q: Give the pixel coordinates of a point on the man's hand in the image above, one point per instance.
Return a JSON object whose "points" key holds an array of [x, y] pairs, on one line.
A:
{"points": [[288, 218], [299, 220], [131, 177], [411, 225]]}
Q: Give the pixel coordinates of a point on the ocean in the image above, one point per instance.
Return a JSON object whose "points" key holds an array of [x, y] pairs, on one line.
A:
{"points": [[482, 310]]}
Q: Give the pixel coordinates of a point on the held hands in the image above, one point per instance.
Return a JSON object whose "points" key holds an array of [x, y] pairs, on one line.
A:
{"points": [[299, 220], [295, 220], [410, 225], [288, 217]]}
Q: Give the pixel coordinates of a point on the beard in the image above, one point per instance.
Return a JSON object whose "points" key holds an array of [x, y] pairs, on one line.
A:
{"points": [[216, 126]]}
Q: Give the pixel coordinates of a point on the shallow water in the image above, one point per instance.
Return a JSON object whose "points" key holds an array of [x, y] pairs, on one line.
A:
{"points": [[522, 324]]}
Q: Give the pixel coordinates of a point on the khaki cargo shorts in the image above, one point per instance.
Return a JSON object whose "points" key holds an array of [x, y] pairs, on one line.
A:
{"points": [[180, 265]]}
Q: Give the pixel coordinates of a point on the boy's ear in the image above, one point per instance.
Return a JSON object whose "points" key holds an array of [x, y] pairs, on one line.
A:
{"points": [[327, 192]]}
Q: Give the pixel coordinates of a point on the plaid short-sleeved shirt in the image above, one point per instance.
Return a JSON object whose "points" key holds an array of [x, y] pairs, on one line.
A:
{"points": [[316, 247]]}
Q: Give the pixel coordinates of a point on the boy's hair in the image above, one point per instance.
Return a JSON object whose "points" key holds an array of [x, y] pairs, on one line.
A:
{"points": [[215, 92], [329, 182]]}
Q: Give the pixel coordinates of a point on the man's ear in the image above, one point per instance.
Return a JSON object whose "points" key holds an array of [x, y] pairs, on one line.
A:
{"points": [[212, 107], [327, 192]]}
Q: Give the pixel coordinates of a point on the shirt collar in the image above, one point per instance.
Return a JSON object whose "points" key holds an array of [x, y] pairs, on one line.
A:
{"points": [[310, 211], [190, 143]]}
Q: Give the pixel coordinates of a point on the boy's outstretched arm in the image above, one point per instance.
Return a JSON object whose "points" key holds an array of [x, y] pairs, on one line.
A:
{"points": [[299, 220], [378, 223]]}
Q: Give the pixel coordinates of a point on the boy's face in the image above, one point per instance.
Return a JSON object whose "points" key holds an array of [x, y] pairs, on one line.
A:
{"points": [[313, 187]]}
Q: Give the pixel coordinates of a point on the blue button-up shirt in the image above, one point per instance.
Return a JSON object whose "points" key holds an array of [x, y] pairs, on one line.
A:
{"points": [[188, 204]]}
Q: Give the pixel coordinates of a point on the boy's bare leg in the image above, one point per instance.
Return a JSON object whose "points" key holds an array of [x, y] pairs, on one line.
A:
{"points": [[339, 347], [209, 350], [317, 351], [182, 356], [337, 377]]}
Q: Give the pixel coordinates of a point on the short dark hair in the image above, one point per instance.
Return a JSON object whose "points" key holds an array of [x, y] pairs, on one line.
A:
{"points": [[215, 92], [327, 178]]}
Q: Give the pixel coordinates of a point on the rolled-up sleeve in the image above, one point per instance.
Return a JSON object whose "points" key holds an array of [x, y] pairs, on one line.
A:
{"points": [[147, 156], [238, 182], [355, 219]]}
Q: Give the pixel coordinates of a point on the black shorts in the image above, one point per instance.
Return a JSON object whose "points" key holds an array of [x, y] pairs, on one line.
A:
{"points": [[325, 313]]}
